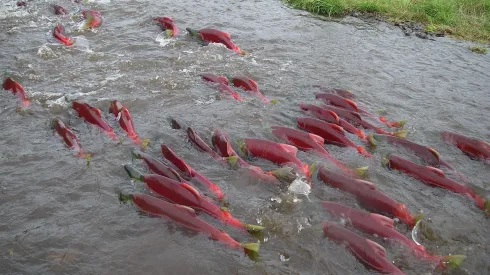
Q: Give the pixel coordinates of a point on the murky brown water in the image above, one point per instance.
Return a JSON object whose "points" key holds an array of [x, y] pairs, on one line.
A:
{"points": [[59, 217]]}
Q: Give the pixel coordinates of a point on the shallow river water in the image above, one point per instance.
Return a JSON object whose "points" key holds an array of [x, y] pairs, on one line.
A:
{"points": [[59, 217]]}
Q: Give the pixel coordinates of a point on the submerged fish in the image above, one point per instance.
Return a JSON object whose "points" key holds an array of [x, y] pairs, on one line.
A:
{"points": [[435, 177], [221, 83], [93, 19], [382, 226], [184, 216], [249, 85], [331, 133], [59, 10], [475, 148], [184, 194], [69, 138], [367, 195], [369, 253], [190, 174]]}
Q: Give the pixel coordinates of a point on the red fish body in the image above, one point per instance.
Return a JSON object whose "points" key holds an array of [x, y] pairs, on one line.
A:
{"points": [[221, 85], [167, 24], [306, 142], [59, 10], [248, 84], [156, 166], [201, 145], [278, 153], [474, 148], [184, 194], [432, 176], [215, 36], [124, 118], [331, 117], [382, 226], [427, 154], [93, 18], [58, 34], [222, 145], [188, 173], [69, 138], [367, 195], [369, 253], [340, 92], [338, 101], [16, 88], [93, 116], [183, 216], [331, 133]]}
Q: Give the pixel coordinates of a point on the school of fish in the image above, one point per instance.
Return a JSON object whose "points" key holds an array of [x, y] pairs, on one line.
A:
{"points": [[181, 194]]}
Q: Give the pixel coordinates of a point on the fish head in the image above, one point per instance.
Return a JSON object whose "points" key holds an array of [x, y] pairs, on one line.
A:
{"points": [[115, 107]]}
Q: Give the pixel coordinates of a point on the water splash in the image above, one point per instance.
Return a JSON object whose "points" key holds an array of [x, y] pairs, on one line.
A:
{"points": [[82, 44], [415, 232], [163, 39], [46, 52], [300, 187]]}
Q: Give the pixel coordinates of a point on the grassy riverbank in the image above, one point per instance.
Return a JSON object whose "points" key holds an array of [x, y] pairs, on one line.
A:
{"points": [[464, 19]]}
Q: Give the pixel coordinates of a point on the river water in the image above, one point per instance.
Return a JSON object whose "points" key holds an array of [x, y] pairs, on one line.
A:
{"points": [[59, 217]]}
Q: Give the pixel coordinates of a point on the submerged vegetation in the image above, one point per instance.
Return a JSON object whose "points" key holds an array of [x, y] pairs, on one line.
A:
{"points": [[464, 19], [479, 49]]}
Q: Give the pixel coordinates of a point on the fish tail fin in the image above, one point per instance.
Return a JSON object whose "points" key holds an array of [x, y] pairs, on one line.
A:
{"points": [[124, 198], [232, 160], [252, 227], [273, 101], [133, 173], [417, 218], [372, 140], [254, 247], [361, 171], [136, 154], [486, 207], [400, 133], [144, 143], [169, 33], [192, 32], [452, 261], [86, 156], [309, 169]]}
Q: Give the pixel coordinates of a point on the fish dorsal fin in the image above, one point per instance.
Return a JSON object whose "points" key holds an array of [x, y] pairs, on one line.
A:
{"points": [[337, 128], [167, 18], [351, 103], [187, 209], [435, 170], [434, 152], [385, 221], [378, 248], [316, 138], [289, 148], [192, 190], [367, 183], [334, 115]]}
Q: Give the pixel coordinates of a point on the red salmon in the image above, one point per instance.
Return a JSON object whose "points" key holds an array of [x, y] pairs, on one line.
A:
{"points": [[475, 148], [221, 83], [156, 166], [215, 36], [16, 88], [59, 10], [69, 138], [435, 177], [382, 226], [190, 174], [369, 253], [167, 25], [58, 34], [367, 195], [341, 92], [93, 18], [184, 194], [93, 116], [249, 85], [184, 216], [124, 117], [331, 133]]}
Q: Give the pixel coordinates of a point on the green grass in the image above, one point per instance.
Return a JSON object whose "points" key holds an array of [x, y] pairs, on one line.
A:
{"points": [[464, 19]]}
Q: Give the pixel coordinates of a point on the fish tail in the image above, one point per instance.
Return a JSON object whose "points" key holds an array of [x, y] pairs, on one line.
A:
{"points": [[133, 173], [361, 171], [86, 156], [486, 207], [451, 261], [400, 133], [136, 154], [169, 33], [254, 247]]}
